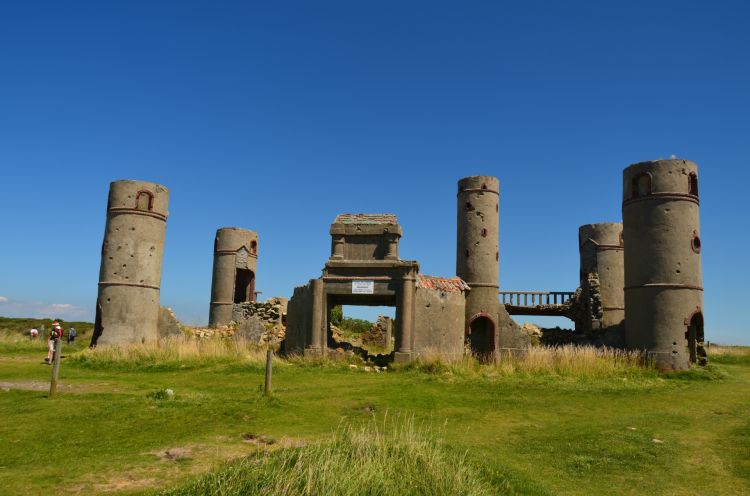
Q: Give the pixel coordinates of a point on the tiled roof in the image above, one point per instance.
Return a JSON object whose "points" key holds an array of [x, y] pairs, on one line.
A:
{"points": [[447, 284], [366, 219]]}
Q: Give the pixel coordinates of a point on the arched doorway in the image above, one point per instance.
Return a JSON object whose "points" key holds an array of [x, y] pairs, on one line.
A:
{"points": [[694, 337], [244, 286], [481, 337]]}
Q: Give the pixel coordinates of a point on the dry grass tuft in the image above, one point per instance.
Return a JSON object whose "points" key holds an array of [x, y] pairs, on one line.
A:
{"points": [[183, 351], [569, 360], [726, 350]]}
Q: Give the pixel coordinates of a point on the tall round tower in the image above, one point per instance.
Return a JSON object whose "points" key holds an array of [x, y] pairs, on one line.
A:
{"points": [[477, 258], [663, 283], [235, 262], [127, 309], [602, 275]]}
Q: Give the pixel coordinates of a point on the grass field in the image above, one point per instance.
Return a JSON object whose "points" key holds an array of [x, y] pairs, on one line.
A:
{"points": [[553, 423]]}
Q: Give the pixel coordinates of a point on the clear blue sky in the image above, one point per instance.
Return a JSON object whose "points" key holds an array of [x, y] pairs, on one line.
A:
{"points": [[276, 116]]}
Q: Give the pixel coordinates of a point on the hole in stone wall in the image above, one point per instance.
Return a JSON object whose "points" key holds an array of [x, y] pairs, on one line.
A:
{"points": [[696, 243], [244, 285], [469, 206], [693, 184], [641, 185], [694, 336], [484, 233], [467, 253], [254, 247]]}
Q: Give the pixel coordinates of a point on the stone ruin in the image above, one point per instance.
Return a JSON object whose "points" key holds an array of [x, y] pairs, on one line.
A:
{"points": [[640, 284]]}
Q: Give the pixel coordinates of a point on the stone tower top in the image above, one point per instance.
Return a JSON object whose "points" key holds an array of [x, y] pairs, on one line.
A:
{"points": [[366, 219], [138, 197], [365, 237]]}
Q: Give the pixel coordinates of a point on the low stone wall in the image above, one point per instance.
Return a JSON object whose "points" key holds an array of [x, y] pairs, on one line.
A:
{"points": [[260, 322], [272, 311]]}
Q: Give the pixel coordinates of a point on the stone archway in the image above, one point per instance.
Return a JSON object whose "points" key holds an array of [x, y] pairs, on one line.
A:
{"points": [[480, 337], [694, 336], [244, 285]]}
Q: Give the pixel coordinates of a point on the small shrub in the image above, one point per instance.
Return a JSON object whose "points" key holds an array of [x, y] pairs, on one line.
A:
{"points": [[161, 394]]}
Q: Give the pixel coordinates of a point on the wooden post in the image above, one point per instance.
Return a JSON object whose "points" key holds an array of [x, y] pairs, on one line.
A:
{"points": [[267, 388], [55, 367]]}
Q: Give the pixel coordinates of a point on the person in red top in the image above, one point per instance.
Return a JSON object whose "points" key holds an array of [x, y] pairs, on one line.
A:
{"points": [[55, 333]]}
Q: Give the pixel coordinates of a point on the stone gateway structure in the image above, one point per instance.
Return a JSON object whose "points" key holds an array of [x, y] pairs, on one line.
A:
{"points": [[235, 266], [434, 315], [663, 283], [364, 269], [127, 307]]}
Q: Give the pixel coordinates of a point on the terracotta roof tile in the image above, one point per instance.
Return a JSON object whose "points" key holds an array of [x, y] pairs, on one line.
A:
{"points": [[366, 219], [447, 284]]}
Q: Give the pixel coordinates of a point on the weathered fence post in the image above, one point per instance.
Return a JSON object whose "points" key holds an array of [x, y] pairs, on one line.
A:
{"points": [[269, 356], [55, 367]]}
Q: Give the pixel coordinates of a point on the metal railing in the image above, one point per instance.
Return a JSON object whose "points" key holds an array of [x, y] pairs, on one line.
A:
{"points": [[534, 298]]}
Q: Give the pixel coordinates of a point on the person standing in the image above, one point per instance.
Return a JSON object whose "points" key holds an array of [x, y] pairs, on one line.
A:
{"points": [[72, 335], [54, 335]]}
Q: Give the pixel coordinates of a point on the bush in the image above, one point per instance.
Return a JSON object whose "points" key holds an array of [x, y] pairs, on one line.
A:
{"points": [[337, 314], [355, 326]]}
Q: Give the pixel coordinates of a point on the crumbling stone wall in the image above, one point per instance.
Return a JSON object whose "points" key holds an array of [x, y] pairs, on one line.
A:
{"points": [[601, 301], [439, 319], [299, 320], [261, 322], [168, 326], [380, 333], [272, 311]]}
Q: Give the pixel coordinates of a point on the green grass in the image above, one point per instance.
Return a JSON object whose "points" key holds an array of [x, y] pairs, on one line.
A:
{"points": [[392, 457], [513, 428]]}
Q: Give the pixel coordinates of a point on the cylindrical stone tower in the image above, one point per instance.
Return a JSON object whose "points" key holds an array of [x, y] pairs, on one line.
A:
{"points": [[477, 258], [663, 284], [130, 274], [602, 275], [235, 262]]}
